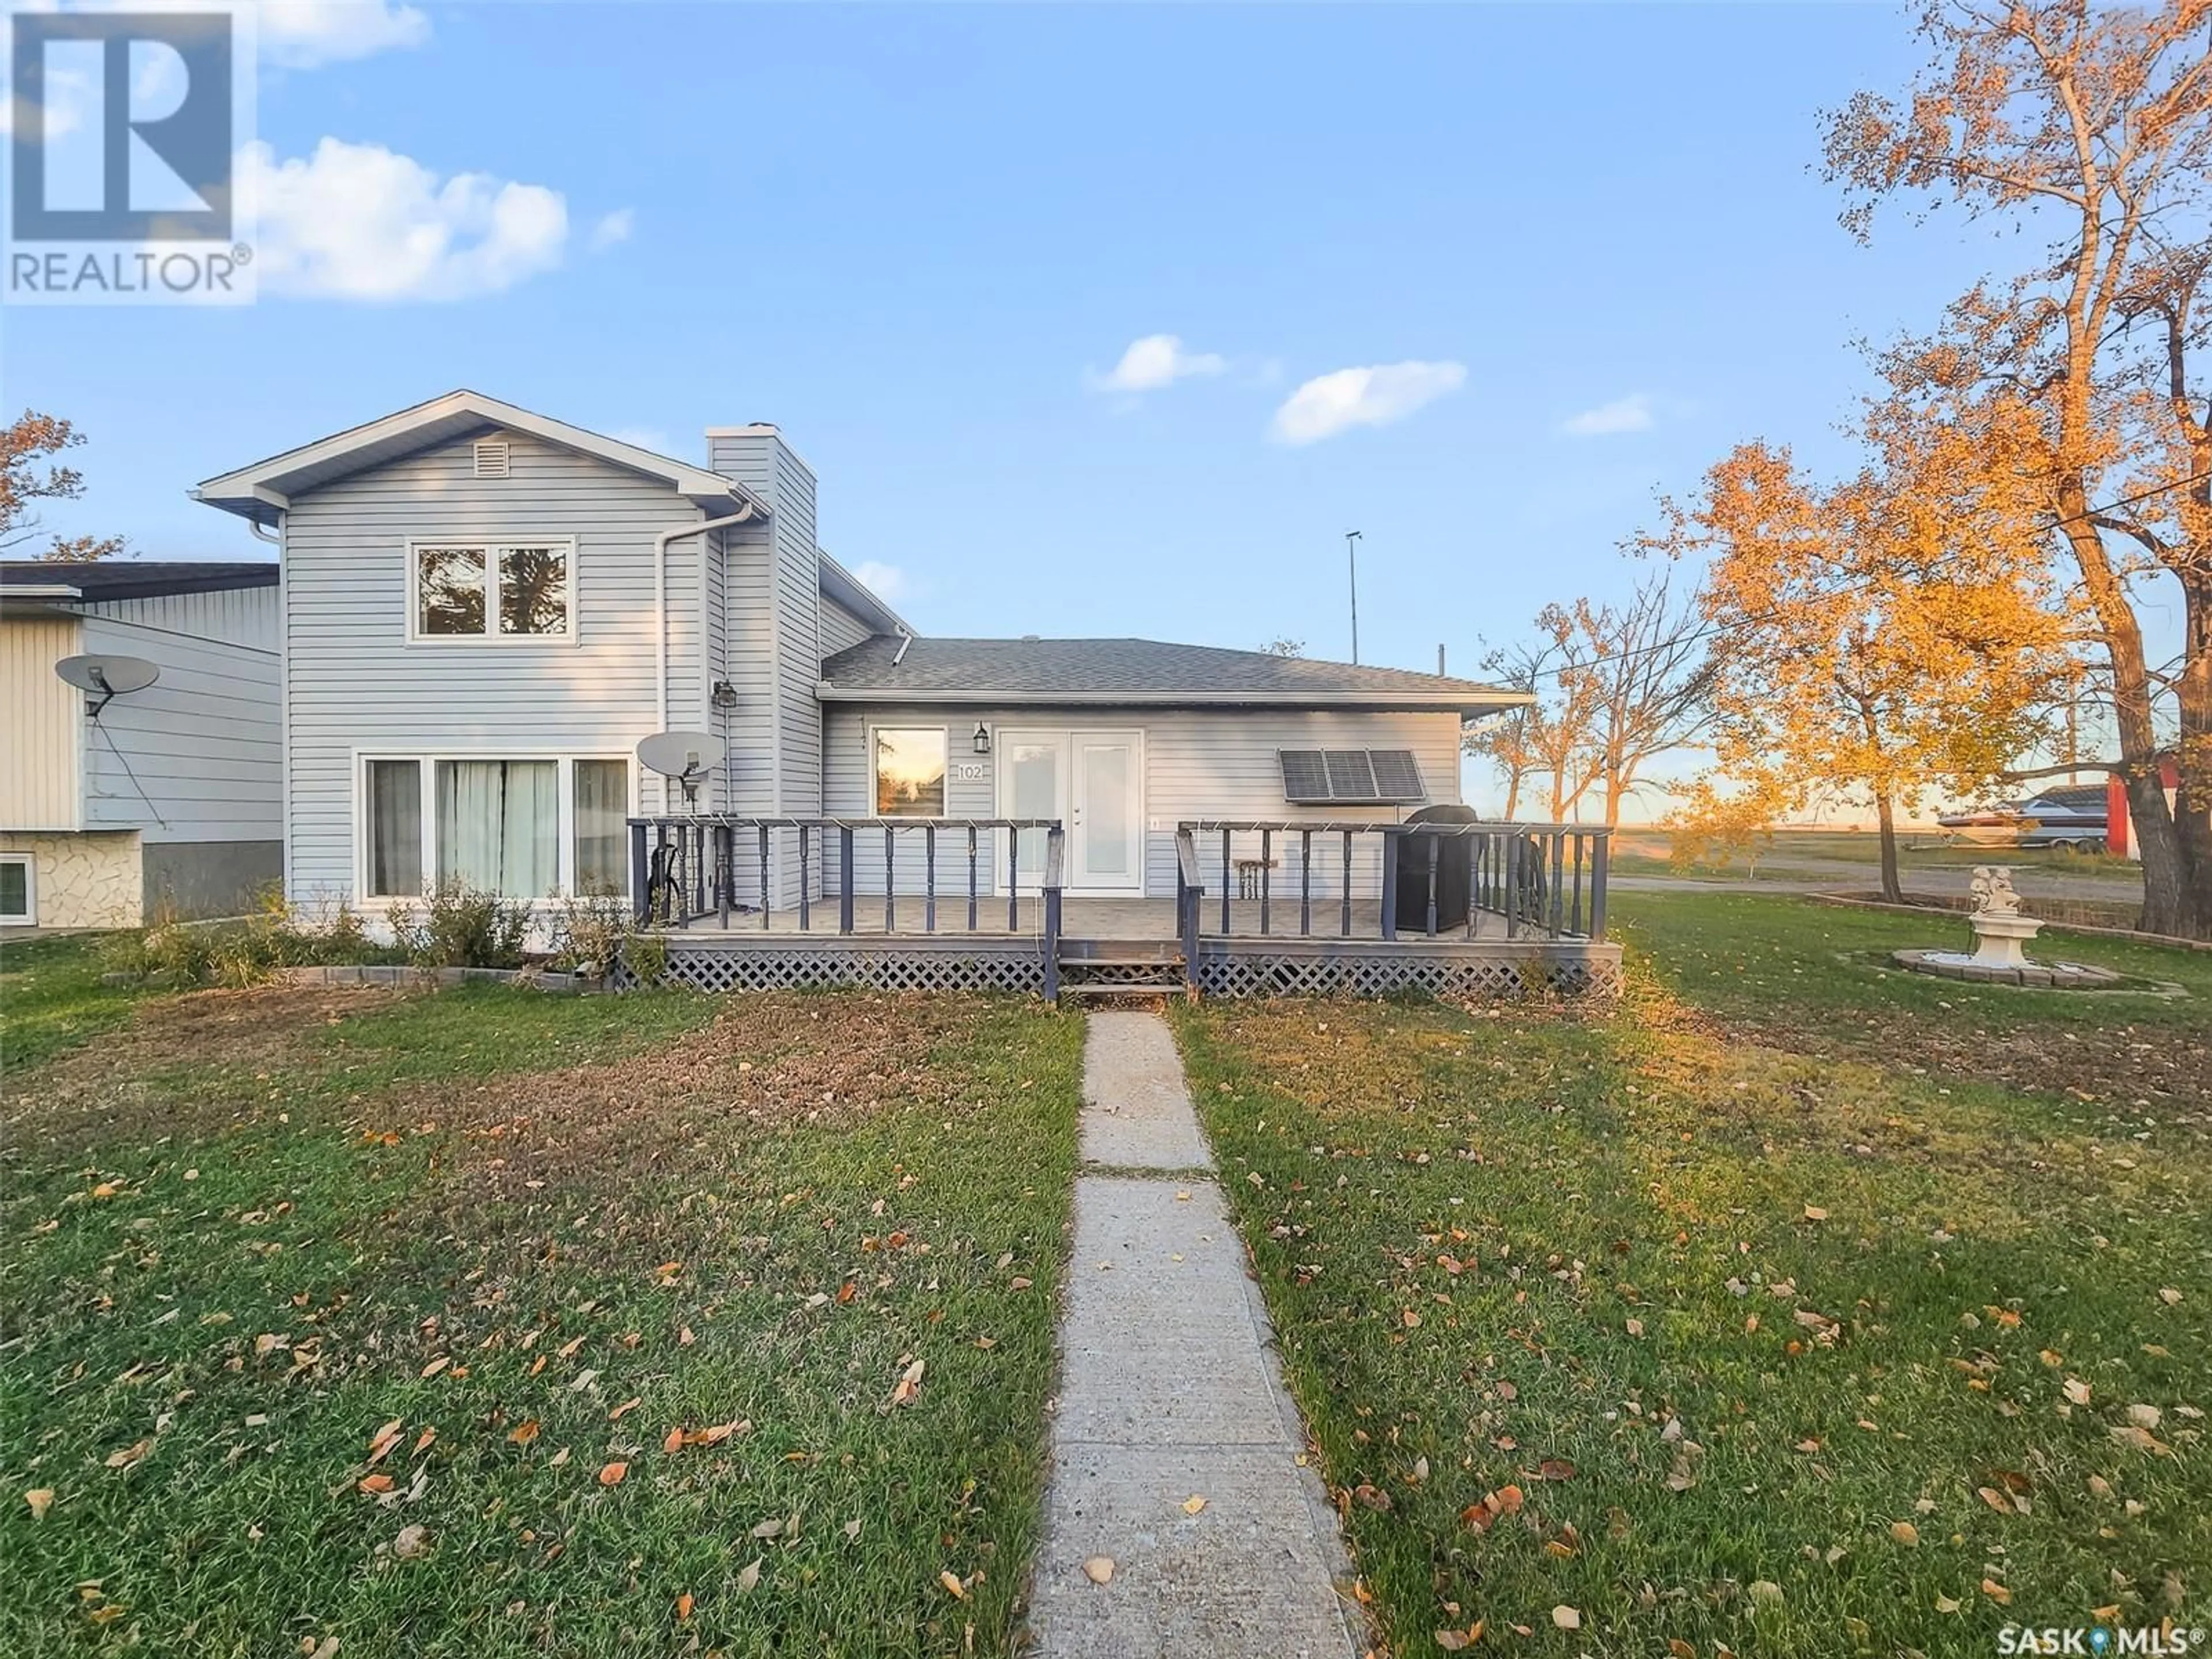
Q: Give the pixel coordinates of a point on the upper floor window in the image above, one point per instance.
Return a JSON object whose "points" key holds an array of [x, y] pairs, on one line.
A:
{"points": [[491, 590]]}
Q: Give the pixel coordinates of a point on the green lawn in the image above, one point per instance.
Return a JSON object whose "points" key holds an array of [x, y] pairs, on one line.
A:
{"points": [[243, 1233], [1786, 1311], [1815, 855]]}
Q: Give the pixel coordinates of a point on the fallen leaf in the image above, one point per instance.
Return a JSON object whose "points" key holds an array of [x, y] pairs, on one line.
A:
{"points": [[1995, 1592], [1814, 1213], [908, 1387], [684, 1607], [1945, 1604], [385, 1439], [950, 1580], [1566, 1618], [523, 1432], [1766, 1590], [2146, 1417], [1018, 1283], [1905, 1532], [422, 1441], [674, 1443], [1451, 1641], [437, 1366], [2076, 1390], [624, 1409], [750, 1577], [1556, 1468], [1099, 1569], [1678, 1649], [40, 1498], [1193, 1504], [2128, 1434], [1635, 1328], [376, 1485], [413, 1541], [613, 1475], [1996, 1499], [129, 1455]]}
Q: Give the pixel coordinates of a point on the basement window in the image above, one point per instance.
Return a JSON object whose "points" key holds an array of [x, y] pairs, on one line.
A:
{"points": [[1350, 777]]}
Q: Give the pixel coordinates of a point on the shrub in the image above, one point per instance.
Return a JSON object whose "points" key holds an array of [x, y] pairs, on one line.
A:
{"points": [[460, 928], [589, 933], [247, 952]]}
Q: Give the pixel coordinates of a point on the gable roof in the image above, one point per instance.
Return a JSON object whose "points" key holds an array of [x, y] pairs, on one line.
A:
{"points": [[262, 490], [1129, 672], [55, 580]]}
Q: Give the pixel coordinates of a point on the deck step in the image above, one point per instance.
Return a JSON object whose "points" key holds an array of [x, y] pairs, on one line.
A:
{"points": [[1112, 990]]}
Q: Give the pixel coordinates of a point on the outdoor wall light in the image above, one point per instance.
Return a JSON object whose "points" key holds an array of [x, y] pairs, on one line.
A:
{"points": [[725, 695], [983, 738]]}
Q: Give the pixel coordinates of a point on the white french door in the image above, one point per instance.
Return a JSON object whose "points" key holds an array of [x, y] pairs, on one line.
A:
{"points": [[1094, 783]]}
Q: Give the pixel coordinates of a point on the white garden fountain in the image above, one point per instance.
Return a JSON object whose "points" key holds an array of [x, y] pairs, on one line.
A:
{"points": [[2000, 938]]}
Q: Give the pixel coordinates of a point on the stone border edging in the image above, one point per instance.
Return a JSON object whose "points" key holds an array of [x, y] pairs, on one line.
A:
{"points": [[536, 979], [2135, 934]]}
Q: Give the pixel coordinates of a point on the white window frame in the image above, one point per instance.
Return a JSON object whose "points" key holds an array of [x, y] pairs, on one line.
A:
{"points": [[30, 915], [564, 788], [491, 550], [945, 787]]}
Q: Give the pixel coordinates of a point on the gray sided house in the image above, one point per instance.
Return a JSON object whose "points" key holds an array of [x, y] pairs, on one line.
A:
{"points": [[168, 801], [484, 611]]}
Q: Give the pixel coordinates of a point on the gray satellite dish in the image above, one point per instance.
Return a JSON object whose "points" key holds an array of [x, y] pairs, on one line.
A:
{"points": [[107, 677], [686, 756]]}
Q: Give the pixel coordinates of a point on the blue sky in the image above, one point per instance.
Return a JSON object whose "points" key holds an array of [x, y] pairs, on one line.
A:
{"points": [[922, 239]]}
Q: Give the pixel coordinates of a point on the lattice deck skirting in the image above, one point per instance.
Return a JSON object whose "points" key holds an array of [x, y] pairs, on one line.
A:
{"points": [[1503, 968], [1230, 967], [722, 963]]}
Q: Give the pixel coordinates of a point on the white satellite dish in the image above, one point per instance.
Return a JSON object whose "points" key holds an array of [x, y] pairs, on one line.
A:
{"points": [[686, 756], [107, 677]]}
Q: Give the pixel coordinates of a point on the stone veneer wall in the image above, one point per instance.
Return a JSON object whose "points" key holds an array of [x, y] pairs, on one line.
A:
{"points": [[90, 879]]}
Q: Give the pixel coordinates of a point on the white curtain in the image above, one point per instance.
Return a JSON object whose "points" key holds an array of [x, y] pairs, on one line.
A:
{"points": [[499, 826], [602, 828]]}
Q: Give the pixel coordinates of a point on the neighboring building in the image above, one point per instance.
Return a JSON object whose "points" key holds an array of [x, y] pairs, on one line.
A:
{"points": [[170, 801], [484, 611]]}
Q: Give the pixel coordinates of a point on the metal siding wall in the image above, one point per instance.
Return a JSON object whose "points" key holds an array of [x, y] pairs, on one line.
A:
{"points": [[1199, 764], [203, 742], [240, 616], [841, 628], [39, 730], [356, 683]]}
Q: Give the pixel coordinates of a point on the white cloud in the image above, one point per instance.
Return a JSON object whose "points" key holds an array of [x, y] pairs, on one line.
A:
{"points": [[356, 222], [1156, 361], [611, 228], [1374, 396], [886, 581], [1633, 413], [304, 33]]}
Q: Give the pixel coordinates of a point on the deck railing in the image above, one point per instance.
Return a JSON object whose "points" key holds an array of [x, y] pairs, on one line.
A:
{"points": [[684, 869], [1543, 880]]}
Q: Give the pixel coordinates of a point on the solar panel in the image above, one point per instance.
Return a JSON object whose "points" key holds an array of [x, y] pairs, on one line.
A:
{"points": [[1397, 777], [1305, 778], [1350, 777]]}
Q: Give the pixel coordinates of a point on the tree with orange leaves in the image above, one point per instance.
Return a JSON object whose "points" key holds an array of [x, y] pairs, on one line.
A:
{"points": [[2093, 123], [1886, 638], [24, 482]]}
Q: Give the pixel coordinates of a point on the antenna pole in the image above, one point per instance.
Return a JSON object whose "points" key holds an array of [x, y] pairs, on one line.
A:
{"points": [[1352, 562]]}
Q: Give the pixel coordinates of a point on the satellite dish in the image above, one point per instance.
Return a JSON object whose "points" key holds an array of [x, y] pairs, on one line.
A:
{"points": [[687, 756], [107, 677]]}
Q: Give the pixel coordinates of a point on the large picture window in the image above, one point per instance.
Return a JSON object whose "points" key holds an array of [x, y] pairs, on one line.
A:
{"points": [[491, 590], [909, 772], [527, 827]]}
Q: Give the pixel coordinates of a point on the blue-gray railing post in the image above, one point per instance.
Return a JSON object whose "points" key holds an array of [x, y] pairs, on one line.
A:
{"points": [[640, 899], [890, 881], [1599, 855], [1227, 882], [929, 879], [1344, 929], [1267, 858], [805, 881], [1013, 881], [1390, 883], [1575, 921], [972, 878], [844, 878], [1305, 882], [1049, 890], [1471, 850], [1436, 851], [1190, 899], [1513, 899], [1556, 911], [764, 900], [725, 871]]}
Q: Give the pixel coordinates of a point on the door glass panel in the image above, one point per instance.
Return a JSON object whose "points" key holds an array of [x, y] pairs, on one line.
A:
{"points": [[1108, 838], [1035, 793]]}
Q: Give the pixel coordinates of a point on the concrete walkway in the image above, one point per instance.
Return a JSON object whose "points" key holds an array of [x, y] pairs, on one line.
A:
{"points": [[1168, 1393]]}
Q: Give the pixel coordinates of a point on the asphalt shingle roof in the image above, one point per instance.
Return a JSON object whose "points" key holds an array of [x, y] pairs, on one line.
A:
{"points": [[1152, 670], [138, 578]]}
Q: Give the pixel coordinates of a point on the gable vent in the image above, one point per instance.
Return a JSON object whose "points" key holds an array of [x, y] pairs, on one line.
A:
{"points": [[491, 457], [1350, 776]]}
